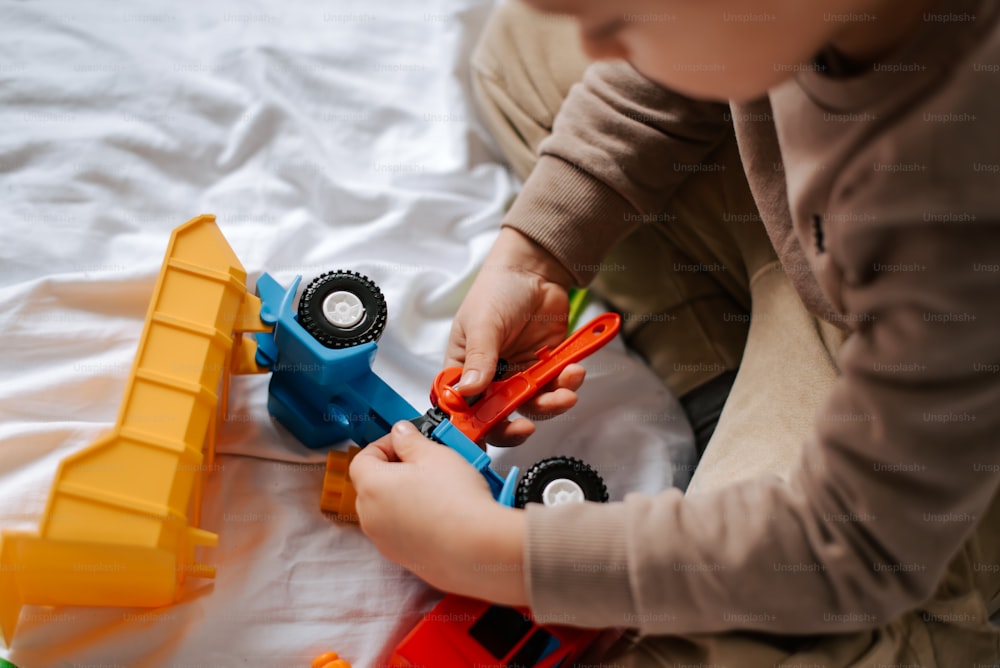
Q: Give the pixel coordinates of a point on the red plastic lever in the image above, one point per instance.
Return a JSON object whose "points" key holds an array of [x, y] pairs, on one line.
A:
{"points": [[503, 397]]}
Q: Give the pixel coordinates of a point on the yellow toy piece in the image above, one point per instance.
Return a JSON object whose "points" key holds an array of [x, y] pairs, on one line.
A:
{"points": [[338, 495], [120, 526], [329, 660]]}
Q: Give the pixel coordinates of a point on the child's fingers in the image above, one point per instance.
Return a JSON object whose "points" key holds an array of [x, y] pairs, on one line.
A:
{"points": [[366, 462], [454, 354], [510, 434], [571, 378], [476, 354], [381, 450], [556, 397], [364, 468], [408, 443], [549, 404], [403, 444], [482, 350]]}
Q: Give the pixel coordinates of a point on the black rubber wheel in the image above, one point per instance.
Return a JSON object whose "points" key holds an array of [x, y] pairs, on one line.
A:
{"points": [[559, 480], [343, 309]]}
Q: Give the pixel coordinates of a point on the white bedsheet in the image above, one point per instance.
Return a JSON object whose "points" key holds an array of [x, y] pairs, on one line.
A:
{"points": [[323, 135]]}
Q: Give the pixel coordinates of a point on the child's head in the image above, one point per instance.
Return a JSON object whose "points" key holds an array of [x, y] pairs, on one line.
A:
{"points": [[732, 49]]}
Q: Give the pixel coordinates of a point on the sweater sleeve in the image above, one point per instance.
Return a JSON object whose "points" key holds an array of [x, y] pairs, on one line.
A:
{"points": [[901, 469], [620, 146]]}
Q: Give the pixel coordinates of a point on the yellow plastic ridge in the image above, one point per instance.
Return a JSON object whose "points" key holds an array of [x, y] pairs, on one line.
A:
{"points": [[120, 526]]}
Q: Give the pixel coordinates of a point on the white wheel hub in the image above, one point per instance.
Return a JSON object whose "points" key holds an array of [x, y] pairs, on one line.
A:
{"points": [[561, 491], [344, 309]]}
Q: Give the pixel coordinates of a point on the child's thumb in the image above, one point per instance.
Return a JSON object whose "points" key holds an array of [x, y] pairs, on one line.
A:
{"points": [[407, 441], [481, 354]]}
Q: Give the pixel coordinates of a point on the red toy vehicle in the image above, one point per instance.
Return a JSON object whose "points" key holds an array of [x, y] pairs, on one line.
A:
{"points": [[461, 632]]}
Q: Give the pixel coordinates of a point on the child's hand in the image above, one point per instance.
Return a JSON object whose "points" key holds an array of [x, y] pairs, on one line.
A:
{"points": [[518, 303], [426, 508]]}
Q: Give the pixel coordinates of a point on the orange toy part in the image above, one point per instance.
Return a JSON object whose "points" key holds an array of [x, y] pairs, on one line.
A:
{"points": [[503, 397], [329, 660], [120, 526], [338, 496]]}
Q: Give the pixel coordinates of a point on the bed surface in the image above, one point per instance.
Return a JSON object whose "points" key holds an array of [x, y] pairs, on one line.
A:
{"points": [[323, 136]]}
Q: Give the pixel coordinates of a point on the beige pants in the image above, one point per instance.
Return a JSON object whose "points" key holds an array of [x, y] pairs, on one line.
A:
{"points": [[703, 293]]}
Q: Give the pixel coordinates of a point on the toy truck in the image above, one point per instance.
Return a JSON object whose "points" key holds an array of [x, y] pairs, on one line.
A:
{"points": [[133, 497], [324, 391]]}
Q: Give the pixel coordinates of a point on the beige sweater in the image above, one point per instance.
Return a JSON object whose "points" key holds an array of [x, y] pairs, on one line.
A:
{"points": [[885, 214]]}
